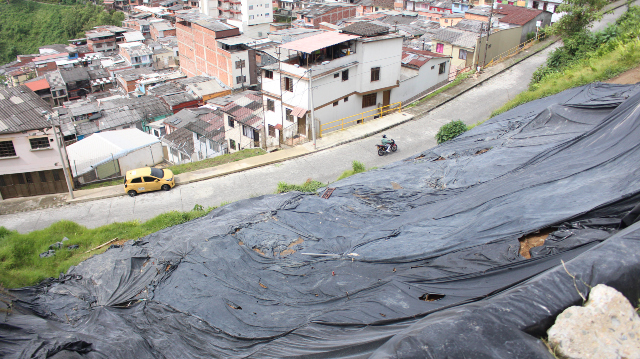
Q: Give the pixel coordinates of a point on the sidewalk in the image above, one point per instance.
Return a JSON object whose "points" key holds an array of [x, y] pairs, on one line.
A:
{"points": [[328, 140]]}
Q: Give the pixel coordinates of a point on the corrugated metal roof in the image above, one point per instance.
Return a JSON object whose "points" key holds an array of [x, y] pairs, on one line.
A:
{"points": [[317, 42], [21, 110]]}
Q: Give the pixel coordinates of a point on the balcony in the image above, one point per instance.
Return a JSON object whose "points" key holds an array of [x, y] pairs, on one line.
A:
{"points": [[294, 66], [235, 11]]}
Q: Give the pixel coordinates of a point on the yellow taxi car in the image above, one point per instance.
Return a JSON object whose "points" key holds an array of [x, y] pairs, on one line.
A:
{"points": [[148, 179]]}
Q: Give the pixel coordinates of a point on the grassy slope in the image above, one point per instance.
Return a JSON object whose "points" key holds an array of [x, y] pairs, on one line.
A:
{"points": [[27, 25], [21, 265]]}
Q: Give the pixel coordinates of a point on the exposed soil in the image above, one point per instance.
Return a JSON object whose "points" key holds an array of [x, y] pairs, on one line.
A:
{"points": [[532, 240], [626, 78]]}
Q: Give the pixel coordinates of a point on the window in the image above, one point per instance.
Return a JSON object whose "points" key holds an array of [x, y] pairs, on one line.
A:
{"points": [[6, 149], [2, 182], [375, 74], [270, 105], [56, 176], [230, 121], [346, 99], [462, 54], [149, 179], [136, 180], [272, 131], [289, 115], [268, 74], [433, 67], [232, 144], [336, 103], [28, 177], [288, 84], [442, 68], [39, 142], [241, 79], [247, 131], [446, 21], [336, 75], [250, 7], [239, 64], [345, 75], [267, 14], [43, 177], [250, 17], [440, 48], [369, 100]]}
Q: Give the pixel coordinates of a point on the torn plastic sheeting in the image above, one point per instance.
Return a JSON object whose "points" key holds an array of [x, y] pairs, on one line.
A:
{"points": [[451, 231]]}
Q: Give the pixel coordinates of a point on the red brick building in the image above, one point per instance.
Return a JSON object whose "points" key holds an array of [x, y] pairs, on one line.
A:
{"points": [[312, 16], [200, 52]]}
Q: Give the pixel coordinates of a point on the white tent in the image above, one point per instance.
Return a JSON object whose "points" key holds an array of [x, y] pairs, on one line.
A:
{"points": [[120, 150]]}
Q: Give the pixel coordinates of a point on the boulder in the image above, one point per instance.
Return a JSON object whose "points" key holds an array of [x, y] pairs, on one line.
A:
{"points": [[607, 326]]}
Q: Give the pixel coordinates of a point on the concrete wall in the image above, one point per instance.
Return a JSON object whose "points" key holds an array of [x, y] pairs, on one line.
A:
{"points": [[259, 11], [427, 78], [27, 159], [499, 42]]}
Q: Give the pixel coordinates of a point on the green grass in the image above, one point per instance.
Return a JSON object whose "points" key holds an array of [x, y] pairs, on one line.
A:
{"points": [[194, 166], [216, 161], [598, 67], [356, 167], [451, 84], [309, 186], [20, 264]]}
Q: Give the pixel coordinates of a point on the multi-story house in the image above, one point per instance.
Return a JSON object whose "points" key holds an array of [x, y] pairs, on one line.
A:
{"points": [[313, 15], [136, 54], [161, 28], [249, 12], [31, 163], [101, 41], [212, 47], [350, 73]]}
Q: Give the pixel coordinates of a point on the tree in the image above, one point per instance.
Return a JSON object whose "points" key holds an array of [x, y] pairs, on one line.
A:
{"points": [[578, 17]]}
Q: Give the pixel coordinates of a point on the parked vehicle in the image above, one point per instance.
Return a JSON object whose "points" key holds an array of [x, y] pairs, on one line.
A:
{"points": [[382, 149], [148, 179]]}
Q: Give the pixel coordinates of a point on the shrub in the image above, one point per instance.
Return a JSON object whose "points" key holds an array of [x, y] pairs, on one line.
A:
{"points": [[450, 130], [356, 167], [308, 186]]}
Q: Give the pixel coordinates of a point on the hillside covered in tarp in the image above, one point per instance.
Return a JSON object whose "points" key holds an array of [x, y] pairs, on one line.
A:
{"points": [[420, 258]]}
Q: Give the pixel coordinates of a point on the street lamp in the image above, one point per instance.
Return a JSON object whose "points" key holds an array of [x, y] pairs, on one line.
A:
{"points": [[55, 133]]}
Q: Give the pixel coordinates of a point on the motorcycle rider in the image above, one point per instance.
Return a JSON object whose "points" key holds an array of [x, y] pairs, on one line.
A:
{"points": [[387, 143]]}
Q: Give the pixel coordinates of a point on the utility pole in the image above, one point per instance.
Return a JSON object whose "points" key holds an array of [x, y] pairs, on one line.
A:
{"points": [[486, 44], [313, 121], [62, 160], [281, 132]]}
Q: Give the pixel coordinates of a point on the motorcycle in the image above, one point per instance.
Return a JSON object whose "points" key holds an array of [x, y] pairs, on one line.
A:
{"points": [[382, 149]]}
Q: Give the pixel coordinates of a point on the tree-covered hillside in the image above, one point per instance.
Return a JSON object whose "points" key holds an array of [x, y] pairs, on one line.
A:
{"points": [[27, 25]]}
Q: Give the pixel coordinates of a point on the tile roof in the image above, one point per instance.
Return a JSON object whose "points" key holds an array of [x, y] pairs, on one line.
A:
{"points": [[181, 139], [516, 15], [21, 110], [365, 28], [416, 58], [36, 85]]}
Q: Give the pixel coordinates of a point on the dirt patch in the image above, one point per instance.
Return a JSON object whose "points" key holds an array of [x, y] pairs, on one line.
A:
{"points": [[395, 185], [482, 151], [297, 241], [626, 78], [258, 250], [531, 240]]}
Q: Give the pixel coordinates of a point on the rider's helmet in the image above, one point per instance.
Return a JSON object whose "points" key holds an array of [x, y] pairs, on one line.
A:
{"points": [[384, 136]]}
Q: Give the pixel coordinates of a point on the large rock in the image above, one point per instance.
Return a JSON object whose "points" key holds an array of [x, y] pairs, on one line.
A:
{"points": [[606, 327]]}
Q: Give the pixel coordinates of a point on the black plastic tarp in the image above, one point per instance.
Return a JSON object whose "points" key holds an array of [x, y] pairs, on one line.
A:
{"points": [[416, 259]]}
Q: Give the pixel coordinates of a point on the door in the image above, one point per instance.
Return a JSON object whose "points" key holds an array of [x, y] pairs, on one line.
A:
{"points": [[151, 183], [302, 125], [136, 185], [386, 99]]}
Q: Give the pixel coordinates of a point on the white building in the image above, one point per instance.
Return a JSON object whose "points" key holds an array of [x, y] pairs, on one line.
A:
{"points": [[351, 75], [547, 5], [249, 12], [30, 161]]}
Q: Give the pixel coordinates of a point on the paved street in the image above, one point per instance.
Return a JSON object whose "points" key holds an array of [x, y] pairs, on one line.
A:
{"points": [[325, 166]]}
